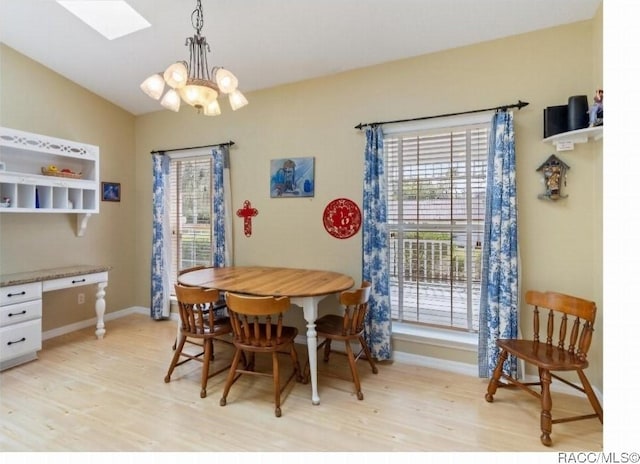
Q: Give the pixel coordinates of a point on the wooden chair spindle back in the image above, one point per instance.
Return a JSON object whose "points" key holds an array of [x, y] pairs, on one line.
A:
{"points": [[576, 312], [257, 321], [356, 305], [195, 305]]}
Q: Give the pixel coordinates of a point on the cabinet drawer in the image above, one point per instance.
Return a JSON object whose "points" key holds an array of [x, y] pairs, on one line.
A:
{"points": [[19, 293], [75, 281], [16, 313], [20, 339]]}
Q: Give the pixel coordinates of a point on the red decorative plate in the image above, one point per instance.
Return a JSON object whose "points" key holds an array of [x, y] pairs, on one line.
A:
{"points": [[342, 218]]}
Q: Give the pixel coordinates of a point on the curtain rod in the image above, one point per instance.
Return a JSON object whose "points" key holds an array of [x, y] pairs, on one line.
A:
{"points": [[518, 105], [229, 143]]}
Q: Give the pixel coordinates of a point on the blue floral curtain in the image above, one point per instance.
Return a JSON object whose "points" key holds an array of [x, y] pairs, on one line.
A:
{"points": [[222, 236], [375, 246], [499, 294], [161, 243]]}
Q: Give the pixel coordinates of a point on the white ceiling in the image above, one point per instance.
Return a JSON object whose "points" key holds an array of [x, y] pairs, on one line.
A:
{"points": [[266, 42]]}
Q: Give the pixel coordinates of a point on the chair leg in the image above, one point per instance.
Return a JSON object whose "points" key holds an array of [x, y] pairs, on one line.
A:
{"points": [[276, 382], [175, 343], [545, 413], [495, 377], [296, 364], [176, 357], [367, 353], [327, 349], [208, 349], [593, 399], [354, 369], [231, 377]]}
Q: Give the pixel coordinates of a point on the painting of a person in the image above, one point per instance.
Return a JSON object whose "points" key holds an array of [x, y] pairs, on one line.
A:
{"points": [[292, 177], [285, 178]]}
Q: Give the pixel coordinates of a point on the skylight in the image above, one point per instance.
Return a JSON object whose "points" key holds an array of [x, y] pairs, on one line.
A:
{"points": [[111, 18]]}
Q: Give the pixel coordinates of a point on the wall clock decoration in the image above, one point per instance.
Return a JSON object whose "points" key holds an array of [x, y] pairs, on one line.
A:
{"points": [[342, 218]]}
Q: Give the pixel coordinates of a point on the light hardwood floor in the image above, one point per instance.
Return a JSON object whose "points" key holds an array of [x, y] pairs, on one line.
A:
{"points": [[84, 394]]}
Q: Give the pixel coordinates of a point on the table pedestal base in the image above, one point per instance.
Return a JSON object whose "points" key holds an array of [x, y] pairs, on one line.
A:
{"points": [[309, 305]]}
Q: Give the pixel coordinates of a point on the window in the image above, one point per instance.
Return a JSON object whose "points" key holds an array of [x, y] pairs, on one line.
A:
{"points": [[191, 206], [436, 180]]}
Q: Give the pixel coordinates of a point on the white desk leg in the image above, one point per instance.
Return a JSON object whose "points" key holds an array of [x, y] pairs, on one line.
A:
{"points": [[100, 308], [310, 308]]}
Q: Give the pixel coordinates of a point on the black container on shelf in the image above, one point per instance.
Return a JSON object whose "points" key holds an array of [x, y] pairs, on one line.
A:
{"points": [[578, 112], [555, 120]]}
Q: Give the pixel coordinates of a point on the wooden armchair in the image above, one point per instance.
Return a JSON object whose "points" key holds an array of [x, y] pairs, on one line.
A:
{"points": [[348, 327], [258, 328], [554, 353], [199, 324]]}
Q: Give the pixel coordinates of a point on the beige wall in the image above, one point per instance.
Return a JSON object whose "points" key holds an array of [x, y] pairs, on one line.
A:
{"points": [[35, 99], [561, 242]]}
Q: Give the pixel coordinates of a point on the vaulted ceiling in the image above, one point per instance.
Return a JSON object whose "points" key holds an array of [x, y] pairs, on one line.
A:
{"points": [[266, 42]]}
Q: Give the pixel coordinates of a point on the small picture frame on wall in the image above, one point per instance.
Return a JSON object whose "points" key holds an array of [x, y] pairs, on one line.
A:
{"points": [[110, 191], [292, 177]]}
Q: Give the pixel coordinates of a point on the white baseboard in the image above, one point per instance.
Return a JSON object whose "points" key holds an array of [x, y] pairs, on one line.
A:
{"points": [[435, 363], [416, 360], [92, 322]]}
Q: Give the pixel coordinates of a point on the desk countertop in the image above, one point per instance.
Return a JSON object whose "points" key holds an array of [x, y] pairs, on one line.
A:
{"points": [[39, 275]]}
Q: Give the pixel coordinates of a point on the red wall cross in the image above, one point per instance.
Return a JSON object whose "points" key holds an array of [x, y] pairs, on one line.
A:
{"points": [[247, 212]]}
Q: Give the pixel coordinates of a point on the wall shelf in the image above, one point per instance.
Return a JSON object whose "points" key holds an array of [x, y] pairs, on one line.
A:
{"points": [[566, 140], [24, 188]]}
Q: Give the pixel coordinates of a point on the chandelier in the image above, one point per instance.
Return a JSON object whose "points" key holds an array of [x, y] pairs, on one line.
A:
{"points": [[192, 82]]}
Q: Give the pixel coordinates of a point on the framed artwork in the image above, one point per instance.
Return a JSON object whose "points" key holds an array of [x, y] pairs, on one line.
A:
{"points": [[110, 191], [292, 177]]}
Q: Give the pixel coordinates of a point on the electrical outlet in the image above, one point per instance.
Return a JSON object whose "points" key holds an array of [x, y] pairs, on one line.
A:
{"points": [[80, 298]]}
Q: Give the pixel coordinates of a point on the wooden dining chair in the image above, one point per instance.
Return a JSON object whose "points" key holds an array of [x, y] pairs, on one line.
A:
{"points": [[348, 327], [565, 315], [219, 306], [257, 328], [199, 324]]}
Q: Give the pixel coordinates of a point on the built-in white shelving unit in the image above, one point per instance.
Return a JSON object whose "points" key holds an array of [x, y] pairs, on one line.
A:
{"points": [[24, 187]]}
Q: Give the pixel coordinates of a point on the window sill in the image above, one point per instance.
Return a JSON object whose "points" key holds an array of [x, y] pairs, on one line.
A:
{"points": [[437, 337]]}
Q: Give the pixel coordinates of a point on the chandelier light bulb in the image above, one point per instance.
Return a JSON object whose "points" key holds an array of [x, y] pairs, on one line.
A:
{"points": [[212, 109], [171, 100], [176, 75], [153, 86], [225, 80], [237, 100]]}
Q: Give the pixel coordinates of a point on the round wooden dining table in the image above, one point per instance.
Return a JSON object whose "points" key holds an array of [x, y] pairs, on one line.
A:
{"points": [[305, 288]]}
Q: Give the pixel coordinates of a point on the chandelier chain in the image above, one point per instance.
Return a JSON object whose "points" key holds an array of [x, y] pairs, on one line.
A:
{"points": [[197, 18]]}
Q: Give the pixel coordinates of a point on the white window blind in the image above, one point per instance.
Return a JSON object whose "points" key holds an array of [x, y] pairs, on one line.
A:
{"points": [[436, 203], [191, 211]]}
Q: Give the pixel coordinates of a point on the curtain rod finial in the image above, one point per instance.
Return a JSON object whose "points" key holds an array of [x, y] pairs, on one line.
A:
{"points": [[522, 104]]}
